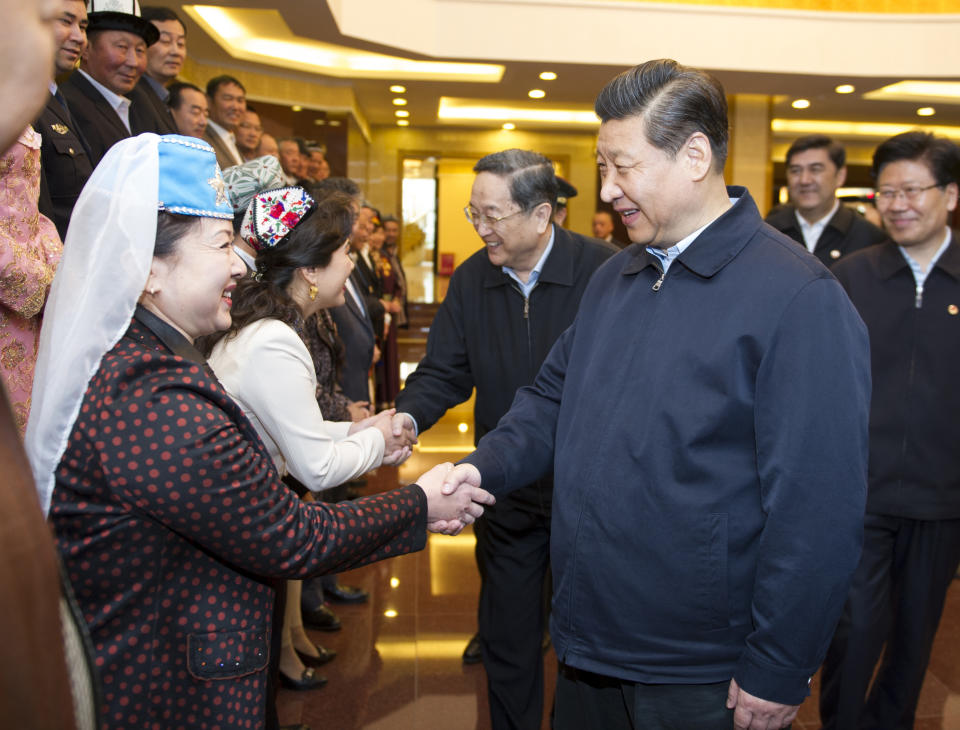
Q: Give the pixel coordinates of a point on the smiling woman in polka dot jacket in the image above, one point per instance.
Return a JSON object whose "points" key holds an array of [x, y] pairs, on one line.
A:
{"points": [[170, 515]]}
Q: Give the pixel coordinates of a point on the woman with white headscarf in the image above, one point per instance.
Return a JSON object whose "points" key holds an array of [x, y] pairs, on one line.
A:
{"points": [[171, 518]]}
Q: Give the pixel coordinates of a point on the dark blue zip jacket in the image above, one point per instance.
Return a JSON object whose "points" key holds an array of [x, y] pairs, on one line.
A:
{"points": [[709, 448]]}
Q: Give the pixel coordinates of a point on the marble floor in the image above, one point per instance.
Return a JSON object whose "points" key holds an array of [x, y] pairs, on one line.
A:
{"points": [[399, 667]]}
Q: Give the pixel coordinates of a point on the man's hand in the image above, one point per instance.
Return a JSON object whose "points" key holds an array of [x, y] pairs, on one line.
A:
{"points": [[752, 713], [398, 443], [451, 507]]}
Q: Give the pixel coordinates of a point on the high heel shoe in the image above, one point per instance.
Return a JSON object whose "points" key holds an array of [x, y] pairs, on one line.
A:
{"points": [[324, 656], [307, 680]]}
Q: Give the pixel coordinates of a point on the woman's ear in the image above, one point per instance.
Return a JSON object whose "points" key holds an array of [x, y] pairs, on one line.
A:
{"points": [[156, 276]]}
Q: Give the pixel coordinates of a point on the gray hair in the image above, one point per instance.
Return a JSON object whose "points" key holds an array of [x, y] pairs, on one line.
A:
{"points": [[532, 178], [674, 100]]}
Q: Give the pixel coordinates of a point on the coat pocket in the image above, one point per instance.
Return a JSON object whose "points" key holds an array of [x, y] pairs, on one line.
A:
{"points": [[712, 584], [226, 654]]}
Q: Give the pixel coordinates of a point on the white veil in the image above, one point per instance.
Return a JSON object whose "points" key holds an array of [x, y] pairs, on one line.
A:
{"points": [[104, 268]]}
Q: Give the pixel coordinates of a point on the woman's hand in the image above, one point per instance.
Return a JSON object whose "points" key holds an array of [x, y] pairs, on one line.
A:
{"points": [[398, 443], [450, 512], [359, 409]]}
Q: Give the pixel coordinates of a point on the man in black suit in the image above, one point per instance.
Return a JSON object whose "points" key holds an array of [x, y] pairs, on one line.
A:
{"points": [[227, 100], [65, 162], [816, 167], [165, 59], [110, 67]]}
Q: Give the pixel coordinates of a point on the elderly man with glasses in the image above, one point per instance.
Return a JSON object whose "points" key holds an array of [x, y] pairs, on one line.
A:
{"points": [[506, 306]]}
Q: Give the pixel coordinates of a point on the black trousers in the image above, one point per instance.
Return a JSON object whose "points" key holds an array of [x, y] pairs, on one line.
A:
{"points": [[513, 555], [896, 601], [588, 701]]}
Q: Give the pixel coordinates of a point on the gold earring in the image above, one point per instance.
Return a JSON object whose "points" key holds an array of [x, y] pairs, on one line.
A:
{"points": [[313, 292]]}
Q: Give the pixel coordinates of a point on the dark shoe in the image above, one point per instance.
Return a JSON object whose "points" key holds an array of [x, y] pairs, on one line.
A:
{"points": [[321, 618], [545, 644], [473, 654], [308, 680], [301, 726], [345, 594], [325, 655]]}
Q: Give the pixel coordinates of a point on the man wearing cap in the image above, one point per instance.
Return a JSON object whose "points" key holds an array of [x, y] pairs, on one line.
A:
{"points": [[565, 191], [110, 67], [164, 61], [64, 159], [816, 167], [228, 102]]}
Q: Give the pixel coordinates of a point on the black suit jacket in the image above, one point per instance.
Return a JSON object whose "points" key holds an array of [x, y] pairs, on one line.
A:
{"points": [[147, 112], [356, 332], [845, 233], [65, 164], [98, 122]]}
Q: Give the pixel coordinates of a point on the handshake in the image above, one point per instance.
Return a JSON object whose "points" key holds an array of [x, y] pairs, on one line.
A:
{"points": [[454, 497], [398, 434]]}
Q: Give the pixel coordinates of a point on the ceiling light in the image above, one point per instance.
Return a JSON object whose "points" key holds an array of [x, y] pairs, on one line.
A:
{"points": [[402, 113], [918, 91], [508, 126], [390, 613], [800, 103], [548, 76], [334, 122], [845, 89], [536, 93], [398, 89], [403, 122], [296, 108], [926, 111], [854, 129], [263, 36], [319, 122], [458, 109], [399, 101]]}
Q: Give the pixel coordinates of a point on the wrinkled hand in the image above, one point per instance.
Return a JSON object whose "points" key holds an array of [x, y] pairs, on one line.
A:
{"points": [[397, 447], [450, 511], [359, 409], [752, 713]]}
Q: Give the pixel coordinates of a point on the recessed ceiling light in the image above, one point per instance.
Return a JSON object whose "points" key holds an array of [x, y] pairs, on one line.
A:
{"points": [[548, 76], [296, 108], [509, 125], [926, 111], [398, 89], [399, 102], [845, 89], [319, 122], [403, 122], [536, 93], [800, 103], [334, 122], [401, 113]]}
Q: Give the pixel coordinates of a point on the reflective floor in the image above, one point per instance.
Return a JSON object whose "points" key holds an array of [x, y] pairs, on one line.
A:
{"points": [[399, 656]]}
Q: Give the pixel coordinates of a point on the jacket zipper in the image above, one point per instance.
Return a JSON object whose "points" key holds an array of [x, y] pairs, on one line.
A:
{"points": [[659, 282], [918, 300]]}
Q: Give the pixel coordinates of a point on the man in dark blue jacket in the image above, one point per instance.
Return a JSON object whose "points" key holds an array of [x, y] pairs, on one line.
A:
{"points": [[908, 292], [506, 306], [705, 418]]}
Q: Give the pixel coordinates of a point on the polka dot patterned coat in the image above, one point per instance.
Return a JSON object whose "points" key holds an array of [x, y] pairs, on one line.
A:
{"points": [[172, 522]]}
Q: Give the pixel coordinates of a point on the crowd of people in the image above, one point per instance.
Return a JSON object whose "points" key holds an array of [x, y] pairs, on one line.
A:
{"points": [[740, 434]]}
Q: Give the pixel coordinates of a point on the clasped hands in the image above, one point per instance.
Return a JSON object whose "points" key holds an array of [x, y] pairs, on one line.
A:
{"points": [[454, 497], [398, 434]]}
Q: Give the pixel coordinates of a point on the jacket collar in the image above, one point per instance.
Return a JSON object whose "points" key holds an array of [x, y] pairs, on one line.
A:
{"points": [[557, 269], [717, 245], [170, 337], [890, 260]]}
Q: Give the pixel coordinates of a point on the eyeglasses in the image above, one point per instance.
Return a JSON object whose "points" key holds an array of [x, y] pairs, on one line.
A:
{"points": [[479, 219], [910, 192]]}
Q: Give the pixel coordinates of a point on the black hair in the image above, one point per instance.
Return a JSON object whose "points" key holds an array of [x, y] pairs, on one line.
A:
{"points": [[330, 185], [674, 101], [939, 154], [171, 227], [217, 81], [155, 12], [532, 177], [835, 150], [311, 243], [176, 89]]}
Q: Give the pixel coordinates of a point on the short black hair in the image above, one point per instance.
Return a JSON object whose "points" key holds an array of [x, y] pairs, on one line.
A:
{"points": [[217, 81], [532, 177], [835, 150], [939, 154], [175, 99], [674, 101], [325, 187], [155, 12]]}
